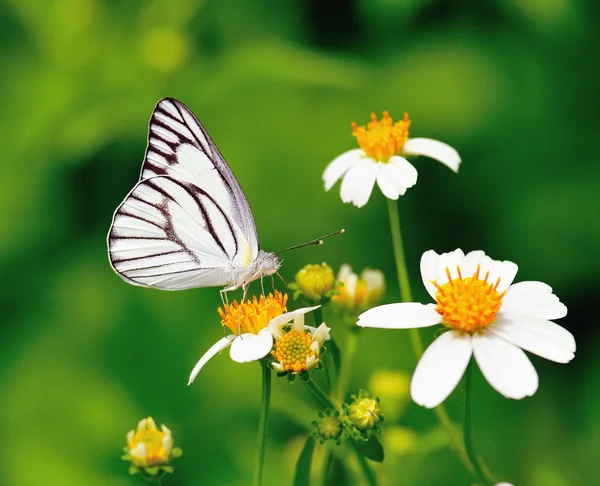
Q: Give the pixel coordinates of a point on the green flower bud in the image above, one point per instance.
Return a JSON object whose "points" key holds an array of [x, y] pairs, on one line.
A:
{"points": [[328, 427], [364, 412], [315, 281]]}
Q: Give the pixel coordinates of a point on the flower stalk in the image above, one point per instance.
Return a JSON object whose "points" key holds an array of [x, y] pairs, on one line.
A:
{"points": [[415, 336], [467, 405], [320, 395], [263, 423]]}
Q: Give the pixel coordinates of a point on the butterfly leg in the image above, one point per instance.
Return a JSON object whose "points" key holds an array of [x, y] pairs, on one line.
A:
{"points": [[283, 280], [262, 285], [273, 283]]}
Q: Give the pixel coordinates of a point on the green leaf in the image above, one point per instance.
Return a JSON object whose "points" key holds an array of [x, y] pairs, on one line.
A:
{"points": [[371, 448], [302, 474]]}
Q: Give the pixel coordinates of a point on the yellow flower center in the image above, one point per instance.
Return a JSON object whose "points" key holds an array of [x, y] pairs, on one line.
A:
{"points": [[155, 451], [252, 316], [468, 304], [293, 349], [382, 139]]}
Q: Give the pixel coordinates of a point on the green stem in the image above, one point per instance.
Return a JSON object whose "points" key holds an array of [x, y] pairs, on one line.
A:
{"points": [[467, 406], [263, 423], [415, 336], [320, 395], [327, 362], [346, 366], [364, 466]]}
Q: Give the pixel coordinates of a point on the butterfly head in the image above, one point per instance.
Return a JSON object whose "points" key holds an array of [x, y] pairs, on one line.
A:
{"points": [[266, 264]]}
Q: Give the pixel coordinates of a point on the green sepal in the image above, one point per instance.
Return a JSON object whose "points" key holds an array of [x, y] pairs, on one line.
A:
{"points": [[304, 375], [152, 470], [371, 448], [133, 470], [439, 331], [168, 469], [176, 452], [303, 466]]}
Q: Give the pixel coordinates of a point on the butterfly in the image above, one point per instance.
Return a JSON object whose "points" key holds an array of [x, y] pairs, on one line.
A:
{"points": [[187, 222]]}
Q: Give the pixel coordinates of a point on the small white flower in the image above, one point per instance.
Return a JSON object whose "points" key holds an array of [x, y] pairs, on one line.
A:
{"points": [[357, 293], [381, 158], [250, 322], [487, 318]]}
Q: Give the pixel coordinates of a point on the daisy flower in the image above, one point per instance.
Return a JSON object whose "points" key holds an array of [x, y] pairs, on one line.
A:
{"points": [[252, 332], [384, 146], [487, 317], [297, 347]]}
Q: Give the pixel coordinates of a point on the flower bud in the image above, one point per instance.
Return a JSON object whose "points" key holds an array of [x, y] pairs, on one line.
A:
{"points": [[356, 293], [315, 281], [329, 426], [149, 449], [364, 412]]}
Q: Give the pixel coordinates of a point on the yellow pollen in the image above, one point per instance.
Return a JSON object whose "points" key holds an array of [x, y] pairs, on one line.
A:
{"points": [[293, 350], [382, 139], [468, 304], [252, 316]]}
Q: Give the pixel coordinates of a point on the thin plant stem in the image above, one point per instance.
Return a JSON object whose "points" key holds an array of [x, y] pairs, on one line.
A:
{"points": [[328, 362], [346, 367], [415, 336], [467, 427], [320, 395], [364, 467], [263, 423]]}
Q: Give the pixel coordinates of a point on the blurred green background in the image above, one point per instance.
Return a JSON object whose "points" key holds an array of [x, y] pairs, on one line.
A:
{"points": [[512, 84]]}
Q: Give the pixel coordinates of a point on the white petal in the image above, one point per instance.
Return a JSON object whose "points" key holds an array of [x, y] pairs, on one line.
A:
{"points": [[251, 347], [130, 436], [436, 150], [440, 368], [277, 366], [321, 333], [505, 366], [534, 299], [404, 315], [359, 181], [433, 268], [395, 178], [139, 452], [538, 336], [167, 441], [504, 484], [338, 167], [493, 269], [216, 348], [287, 317]]}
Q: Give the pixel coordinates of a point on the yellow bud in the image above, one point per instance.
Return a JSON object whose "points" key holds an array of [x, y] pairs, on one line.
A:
{"points": [[147, 446], [314, 281], [358, 293], [365, 413]]}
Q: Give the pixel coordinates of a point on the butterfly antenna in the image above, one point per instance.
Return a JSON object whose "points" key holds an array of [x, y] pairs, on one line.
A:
{"points": [[316, 241]]}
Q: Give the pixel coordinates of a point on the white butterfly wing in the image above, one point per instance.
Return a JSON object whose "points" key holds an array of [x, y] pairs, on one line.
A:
{"points": [[179, 146], [173, 235]]}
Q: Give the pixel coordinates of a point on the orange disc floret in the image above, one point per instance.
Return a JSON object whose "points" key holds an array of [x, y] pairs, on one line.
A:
{"points": [[468, 304], [382, 139], [293, 350], [253, 315]]}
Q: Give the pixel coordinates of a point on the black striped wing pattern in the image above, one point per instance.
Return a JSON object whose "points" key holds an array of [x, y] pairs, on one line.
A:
{"points": [[187, 222]]}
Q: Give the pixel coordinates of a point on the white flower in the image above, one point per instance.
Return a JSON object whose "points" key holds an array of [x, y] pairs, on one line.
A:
{"points": [[381, 158], [250, 322], [148, 446], [297, 349], [487, 317]]}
